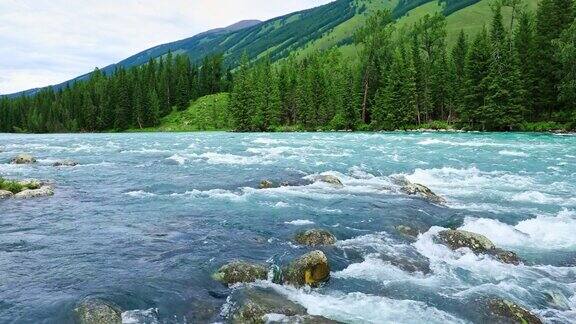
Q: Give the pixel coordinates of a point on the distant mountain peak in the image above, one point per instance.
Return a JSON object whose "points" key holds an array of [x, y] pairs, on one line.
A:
{"points": [[234, 27]]}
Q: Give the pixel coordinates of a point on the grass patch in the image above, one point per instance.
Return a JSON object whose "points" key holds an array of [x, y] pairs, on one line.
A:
{"points": [[544, 127], [15, 186], [209, 113]]}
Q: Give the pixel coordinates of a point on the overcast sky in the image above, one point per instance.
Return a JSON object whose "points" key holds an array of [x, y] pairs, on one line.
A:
{"points": [[44, 42]]}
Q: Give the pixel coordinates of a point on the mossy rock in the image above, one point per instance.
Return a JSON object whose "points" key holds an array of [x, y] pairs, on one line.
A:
{"points": [[416, 189], [240, 271], [512, 312], [266, 184], [97, 311], [310, 269], [315, 237]]}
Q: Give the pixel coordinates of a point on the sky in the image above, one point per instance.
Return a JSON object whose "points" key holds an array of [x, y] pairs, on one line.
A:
{"points": [[44, 42]]}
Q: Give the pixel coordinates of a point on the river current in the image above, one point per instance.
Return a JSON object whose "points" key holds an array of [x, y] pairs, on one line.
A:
{"points": [[145, 219]]}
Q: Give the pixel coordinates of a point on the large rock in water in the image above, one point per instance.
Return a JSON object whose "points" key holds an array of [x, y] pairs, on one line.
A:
{"points": [[240, 271], [315, 237], [408, 231], [479, 244], [96, 311], [310, 269], [23, 159], [512, 312], [266, 306], [43, 191]]}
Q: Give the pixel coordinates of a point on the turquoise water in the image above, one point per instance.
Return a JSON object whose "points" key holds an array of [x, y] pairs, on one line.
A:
{"points": [[146, 218]]}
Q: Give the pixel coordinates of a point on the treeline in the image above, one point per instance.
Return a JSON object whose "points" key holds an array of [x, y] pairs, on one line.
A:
{"points": [[498, 79], [133, 98]]}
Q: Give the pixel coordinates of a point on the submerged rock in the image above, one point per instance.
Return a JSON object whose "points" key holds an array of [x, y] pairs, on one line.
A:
{"points": [[557, 300], [330, 179], [408, 231], [512, 312], [23, 159], [315, 237], [266, 306], [96, 311], [43, 191], [310, 269], [266, 184], [65, 163], [479, 244], [5, 194], [240, 271]]}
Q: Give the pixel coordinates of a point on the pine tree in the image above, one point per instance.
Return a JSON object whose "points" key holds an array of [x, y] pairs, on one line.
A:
{"points": [[524, 44], [566, 56], [502, 109], [477, 65], [459, 53], [242, 97]]}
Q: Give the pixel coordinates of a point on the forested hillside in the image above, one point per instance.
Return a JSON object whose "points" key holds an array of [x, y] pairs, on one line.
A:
{"points": [[417, 70]]}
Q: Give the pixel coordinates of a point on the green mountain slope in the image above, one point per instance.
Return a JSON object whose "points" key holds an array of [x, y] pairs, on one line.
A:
{"points": [[320, 28]]}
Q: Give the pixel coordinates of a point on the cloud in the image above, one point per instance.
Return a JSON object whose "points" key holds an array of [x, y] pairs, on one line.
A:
{"points": [[45, 42]]}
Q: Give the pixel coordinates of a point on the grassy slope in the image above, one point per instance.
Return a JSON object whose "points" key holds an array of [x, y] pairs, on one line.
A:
{"points": [[470, 19], [205, 114]]}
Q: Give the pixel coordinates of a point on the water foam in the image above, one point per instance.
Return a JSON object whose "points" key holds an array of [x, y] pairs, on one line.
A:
{"points": [[542, 232], [300, 222], [357, 307], [513, 153]]}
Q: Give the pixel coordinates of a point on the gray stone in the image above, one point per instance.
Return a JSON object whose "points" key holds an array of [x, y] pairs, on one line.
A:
{"points": [[5, 194], [44, 191], [23, 159], [330, 179], [65, 163], [96, 311]]}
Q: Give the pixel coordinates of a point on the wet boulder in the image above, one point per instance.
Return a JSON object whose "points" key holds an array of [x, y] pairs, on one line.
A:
{"points": [[43, 191], [408, 231], [512, 312], [416, 189], [506, 256], [479, 244], [456, 239], [23, 159], [65, 163], [266, 306], [315, 237], [240, 271], [310, 269], [5, 194], [330, 179], [96, 311]]}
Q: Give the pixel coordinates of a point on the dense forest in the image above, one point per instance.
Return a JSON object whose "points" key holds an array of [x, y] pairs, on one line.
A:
{"points": [[512, 74]]}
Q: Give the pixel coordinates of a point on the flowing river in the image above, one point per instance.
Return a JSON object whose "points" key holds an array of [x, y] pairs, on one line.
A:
{"points": [[145, 219]]}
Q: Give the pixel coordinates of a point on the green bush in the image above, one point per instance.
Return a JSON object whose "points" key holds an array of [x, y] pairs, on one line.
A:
{"points": [[12, 186]]}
